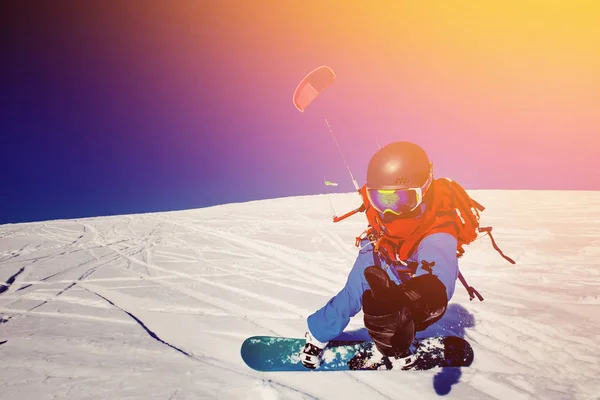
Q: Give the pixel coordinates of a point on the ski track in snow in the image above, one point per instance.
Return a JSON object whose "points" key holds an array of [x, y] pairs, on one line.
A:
{"points": [[157, 305]]}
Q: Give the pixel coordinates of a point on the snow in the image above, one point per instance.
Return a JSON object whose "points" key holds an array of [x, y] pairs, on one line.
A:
{"points": [[156, 306]]}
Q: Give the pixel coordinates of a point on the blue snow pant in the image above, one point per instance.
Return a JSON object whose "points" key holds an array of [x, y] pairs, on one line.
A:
{"points": [[329, 321]]}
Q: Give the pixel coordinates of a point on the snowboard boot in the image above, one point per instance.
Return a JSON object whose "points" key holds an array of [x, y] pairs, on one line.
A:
{"points": [[312, 351], [407, 359]]}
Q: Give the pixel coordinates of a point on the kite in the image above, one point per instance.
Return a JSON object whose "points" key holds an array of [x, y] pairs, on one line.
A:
{"points": [[311, 86]]}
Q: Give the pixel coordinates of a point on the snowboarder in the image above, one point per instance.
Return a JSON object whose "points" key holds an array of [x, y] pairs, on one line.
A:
{"points": [[412, 221]]}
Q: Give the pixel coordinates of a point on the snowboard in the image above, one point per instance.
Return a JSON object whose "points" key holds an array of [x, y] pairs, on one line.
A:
{"points": [[278, 354]]}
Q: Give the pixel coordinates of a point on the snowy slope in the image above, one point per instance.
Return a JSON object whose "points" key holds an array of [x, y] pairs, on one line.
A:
{"points": [[155, 306]]}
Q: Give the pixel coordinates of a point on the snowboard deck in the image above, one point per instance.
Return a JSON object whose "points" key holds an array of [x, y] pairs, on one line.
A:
{"points": [[278, 354]]}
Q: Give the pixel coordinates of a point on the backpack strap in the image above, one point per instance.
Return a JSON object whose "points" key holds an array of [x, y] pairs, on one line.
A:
{"points": [[470, 289], [488, 230]]}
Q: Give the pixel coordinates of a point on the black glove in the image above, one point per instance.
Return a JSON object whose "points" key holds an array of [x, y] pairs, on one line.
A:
{"points": [[394, 313]]}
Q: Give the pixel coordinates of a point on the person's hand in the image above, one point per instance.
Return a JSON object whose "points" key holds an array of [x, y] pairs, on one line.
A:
{"points": [[387, 315]]}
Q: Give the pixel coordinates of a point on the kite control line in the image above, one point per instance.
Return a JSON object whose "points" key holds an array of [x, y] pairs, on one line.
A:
{"points": [[343, 158], [362, 206]]}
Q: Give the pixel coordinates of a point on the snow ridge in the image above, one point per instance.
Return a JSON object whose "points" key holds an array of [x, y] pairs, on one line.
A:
{"points": [[152, 334]]}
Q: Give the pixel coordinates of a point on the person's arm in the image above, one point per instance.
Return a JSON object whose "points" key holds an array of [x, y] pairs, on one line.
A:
{"points": [[331, 319]]}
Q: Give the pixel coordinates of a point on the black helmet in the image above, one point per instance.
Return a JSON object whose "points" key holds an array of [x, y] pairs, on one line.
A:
{"points": [[393, 169]]}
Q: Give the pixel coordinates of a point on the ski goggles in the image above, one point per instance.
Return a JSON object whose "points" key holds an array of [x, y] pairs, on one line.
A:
{"points": [[397, 201]]}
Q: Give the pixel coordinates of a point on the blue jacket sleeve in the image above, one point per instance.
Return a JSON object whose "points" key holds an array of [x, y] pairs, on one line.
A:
{"points": [[441, 249], [331, 319]]}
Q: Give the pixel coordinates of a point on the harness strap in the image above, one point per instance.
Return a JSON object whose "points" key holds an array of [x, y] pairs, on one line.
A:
{"points": [[376, 258], [428, 266]]}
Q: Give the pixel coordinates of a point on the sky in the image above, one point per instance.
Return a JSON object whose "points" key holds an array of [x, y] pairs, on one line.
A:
{"points": [[141, 106]]}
